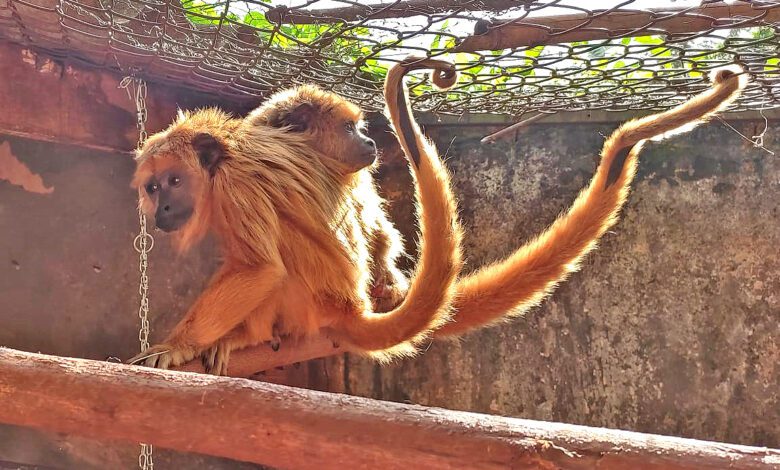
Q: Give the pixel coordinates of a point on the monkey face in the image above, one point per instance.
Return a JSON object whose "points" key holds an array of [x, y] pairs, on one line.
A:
{"points": [[174, 169], [357, 150], [170, 192], [330, 124]]}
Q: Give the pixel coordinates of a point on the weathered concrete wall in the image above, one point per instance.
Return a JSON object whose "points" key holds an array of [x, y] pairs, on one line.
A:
{"points": [[672, 325]]}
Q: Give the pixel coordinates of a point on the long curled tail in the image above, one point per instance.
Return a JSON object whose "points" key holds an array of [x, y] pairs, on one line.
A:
{"points": [[427, 302], [522, 280]]}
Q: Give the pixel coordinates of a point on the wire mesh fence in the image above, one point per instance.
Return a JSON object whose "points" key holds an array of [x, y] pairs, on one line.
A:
{"points": [[514, 56]]}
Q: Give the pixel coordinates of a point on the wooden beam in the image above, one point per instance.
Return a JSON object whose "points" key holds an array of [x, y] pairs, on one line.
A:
{"points": [[56, 101], [386, 10], [295, 428], [522, 32], [249, 361]]}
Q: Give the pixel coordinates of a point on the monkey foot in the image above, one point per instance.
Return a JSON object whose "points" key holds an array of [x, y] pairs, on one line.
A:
{"points": [[163, 356], [276, 341], [215, 359]]}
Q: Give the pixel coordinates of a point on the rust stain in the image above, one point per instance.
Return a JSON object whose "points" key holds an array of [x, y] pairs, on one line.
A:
{"points": [[17, 173]]}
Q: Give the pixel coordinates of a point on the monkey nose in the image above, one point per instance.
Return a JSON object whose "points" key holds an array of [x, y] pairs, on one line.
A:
{"points": [[167, 208]]}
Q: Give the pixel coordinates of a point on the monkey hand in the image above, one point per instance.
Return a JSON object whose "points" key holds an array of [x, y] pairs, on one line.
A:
{"points": [[164, 356], [386, 296], [215, 359]]}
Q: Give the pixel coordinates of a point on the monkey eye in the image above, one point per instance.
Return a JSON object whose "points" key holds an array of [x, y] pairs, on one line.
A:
{"points": [[349, 126], [174, 181], [152, 188]]}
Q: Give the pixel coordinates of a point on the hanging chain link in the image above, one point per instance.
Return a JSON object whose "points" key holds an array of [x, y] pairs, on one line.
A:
{"points": [[143, 243]]}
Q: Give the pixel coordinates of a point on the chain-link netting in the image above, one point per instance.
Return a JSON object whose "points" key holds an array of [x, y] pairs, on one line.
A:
{"points": [[514, 55]]}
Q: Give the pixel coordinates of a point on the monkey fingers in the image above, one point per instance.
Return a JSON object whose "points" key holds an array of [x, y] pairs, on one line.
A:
{"points": [[216, 358], [163, 356], [386, 297], [276, 341]]}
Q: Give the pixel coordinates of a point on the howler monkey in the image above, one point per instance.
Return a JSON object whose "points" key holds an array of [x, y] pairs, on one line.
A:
{"points": [[295, 225]]}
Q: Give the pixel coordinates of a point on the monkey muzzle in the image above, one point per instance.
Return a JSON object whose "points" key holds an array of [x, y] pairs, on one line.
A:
{"points": [[169, 221], [369, 152]]}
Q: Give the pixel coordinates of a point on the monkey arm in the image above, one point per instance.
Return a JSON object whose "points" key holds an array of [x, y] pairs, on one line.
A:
{"points": [[426, 306], [233, 295]]}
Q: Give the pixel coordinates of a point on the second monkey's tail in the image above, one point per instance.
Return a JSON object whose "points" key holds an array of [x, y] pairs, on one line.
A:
{"points": [[522, 280], [426, 305]]}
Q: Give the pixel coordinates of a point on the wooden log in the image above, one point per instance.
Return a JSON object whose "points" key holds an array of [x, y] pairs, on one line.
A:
{"points": [[249, 361], [506, 34], [387, 10], [81, 106], [294, 428]]}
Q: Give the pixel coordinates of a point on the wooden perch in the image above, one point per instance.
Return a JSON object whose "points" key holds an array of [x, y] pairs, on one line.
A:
{"points": [[395, 9], [294, 428], [523, 32], [249, 361], [512, 130]]}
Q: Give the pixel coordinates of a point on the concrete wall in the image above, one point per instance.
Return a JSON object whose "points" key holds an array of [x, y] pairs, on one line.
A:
{"points": [[670, 328]]}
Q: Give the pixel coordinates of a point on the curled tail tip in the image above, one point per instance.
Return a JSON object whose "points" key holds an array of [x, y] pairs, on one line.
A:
{"points": [[444, 73], [445, 78], [730, 73]]}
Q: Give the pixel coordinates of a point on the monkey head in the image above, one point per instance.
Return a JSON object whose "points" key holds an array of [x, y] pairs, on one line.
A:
{"points": [[330, 124], [174, 171]]}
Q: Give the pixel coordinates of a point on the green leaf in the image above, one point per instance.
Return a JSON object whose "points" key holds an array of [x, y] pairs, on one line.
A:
{"points": [[649, 39], [773, 66], [257, 20], [436, 41], [534, 51]]}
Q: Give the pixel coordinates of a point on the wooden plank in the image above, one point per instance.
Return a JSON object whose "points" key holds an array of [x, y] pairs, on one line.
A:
{"points": [[522, 32], [293, 428], [56, 101], [249, 361]]}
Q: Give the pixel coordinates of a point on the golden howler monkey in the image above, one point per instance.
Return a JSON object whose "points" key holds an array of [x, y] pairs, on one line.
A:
{"points": [[296, 227], [509, 287], [325, 130]]}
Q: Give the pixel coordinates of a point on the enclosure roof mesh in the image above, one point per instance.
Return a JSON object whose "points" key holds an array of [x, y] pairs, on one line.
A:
{"points": [[514, 56]]}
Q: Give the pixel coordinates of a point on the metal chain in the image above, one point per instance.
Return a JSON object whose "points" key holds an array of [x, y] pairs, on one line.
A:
{"points": [[143, 243]]}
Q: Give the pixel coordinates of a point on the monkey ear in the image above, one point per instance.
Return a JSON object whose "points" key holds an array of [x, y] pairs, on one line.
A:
{"points": [[298, 119], [210, 151]]}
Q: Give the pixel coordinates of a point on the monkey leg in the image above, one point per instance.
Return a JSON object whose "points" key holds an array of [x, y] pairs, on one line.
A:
{"points": [[232, 296], [216, 358]]}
